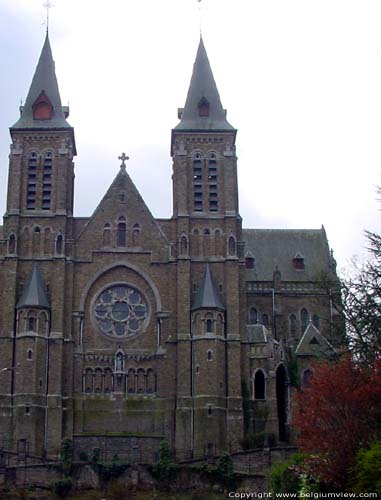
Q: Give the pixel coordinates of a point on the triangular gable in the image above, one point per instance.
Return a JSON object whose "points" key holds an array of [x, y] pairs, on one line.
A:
{"points": [[313, 343], [123, 199]]}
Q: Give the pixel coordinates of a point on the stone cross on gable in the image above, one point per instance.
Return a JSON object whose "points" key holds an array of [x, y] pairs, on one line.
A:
{"points": [[124, 158]]}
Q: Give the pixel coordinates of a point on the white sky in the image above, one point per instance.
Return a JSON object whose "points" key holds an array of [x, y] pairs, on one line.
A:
{"points": [[301, 81]]}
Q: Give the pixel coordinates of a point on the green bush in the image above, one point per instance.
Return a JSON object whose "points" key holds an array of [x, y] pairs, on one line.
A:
{"points": [[165, 468], [258, 440], [367, 471], [62, 487], [286, 477], [96, 455]]}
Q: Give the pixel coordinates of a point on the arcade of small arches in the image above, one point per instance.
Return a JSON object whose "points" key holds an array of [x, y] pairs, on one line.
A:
{"points": [[122, 380], [254, 317], [207, 242], [32, 321], [120, 234], [36, 241], [208, 323]]}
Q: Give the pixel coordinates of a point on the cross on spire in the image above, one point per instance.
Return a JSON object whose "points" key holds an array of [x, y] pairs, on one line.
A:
{"points": [[124, 158], [48, 5]]}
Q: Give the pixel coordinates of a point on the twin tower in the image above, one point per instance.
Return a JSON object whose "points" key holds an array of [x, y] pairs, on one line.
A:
{"points": [[120, 330]]}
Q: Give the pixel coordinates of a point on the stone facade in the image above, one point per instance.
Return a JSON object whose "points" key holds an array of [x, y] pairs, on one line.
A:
{"points": [[122, 325]]}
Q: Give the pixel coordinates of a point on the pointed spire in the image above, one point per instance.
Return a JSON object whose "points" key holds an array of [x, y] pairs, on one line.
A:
{"points": [[43, 90], [203, 109], [34, 294], [207, 296]]}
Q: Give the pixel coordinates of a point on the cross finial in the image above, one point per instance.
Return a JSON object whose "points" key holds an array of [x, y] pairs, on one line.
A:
{"points": [[48, 5], [124, 158]]}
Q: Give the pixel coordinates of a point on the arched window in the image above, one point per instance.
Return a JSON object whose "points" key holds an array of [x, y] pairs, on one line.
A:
{"points": [[209, 355], [108, 381], [249, 262], [29, 355], [316, 321], [32, 180], [232, 246], [304, 318], [151, 381], [183, 245], [98, 379], [292, 325], [209, 326], [12, 243], [42, 323], [197, 183], [47, 181], [253, 316], [121, 239], [42, 107], [31, 322], [107, 235], [212, 178], [131, 381], [136, 235], [59, 244], [259, 385], [141, 381], [203, 107], [206, 243], [265, 320], [306, 377]]}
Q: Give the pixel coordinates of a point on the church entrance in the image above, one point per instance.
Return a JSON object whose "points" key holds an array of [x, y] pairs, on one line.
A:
{"points": [[281, 399]]}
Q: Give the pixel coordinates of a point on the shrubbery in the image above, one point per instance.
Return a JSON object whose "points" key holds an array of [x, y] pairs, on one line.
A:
{"points": [[258, 440]]}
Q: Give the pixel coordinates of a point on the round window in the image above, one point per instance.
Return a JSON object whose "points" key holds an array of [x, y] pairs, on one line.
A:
{"points": [[120, 311]]}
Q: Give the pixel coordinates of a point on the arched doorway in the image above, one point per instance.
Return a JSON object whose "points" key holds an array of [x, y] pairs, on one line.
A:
{"points": [[281, 399]]}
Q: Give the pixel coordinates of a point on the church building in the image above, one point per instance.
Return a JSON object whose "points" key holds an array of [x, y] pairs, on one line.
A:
{"points": [[119, 330]]}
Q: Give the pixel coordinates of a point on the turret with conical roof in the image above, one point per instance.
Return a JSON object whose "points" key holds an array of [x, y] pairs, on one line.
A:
{"points": [[34, 294]]}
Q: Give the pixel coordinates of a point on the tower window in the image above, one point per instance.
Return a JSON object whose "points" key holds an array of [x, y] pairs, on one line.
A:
{"points": [[32, 178], [209, 355], [212, 178], [47, 181], [59, 244], [29, 354], [31, 324], [12, 244], [197, 182], [203, 107], [298, 262], [121, 232], [265, 320]]}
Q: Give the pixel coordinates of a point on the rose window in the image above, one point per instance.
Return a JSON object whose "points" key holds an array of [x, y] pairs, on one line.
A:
{"points": [[121, 311]]}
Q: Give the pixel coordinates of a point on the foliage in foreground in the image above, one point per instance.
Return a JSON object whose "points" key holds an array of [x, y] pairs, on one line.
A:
{"points": [[290, 477], [367, 470], [337, 414]]}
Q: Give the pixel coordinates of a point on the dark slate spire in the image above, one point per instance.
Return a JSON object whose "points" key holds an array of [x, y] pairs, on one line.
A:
{"points": [[203, 109], [44, 88], [34, 294], [207, 296]]}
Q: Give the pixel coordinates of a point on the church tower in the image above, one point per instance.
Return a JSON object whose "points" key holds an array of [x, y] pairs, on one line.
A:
{"points": [[209, 242], [37, 228]]}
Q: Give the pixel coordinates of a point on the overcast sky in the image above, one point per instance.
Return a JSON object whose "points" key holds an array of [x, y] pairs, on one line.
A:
{"points": [[301, 81]]}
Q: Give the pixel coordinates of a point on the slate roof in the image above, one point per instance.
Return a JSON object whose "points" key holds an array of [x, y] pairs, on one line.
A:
{"points": [[207, 296], [257, 334], [276, 248], [203, 85], [313, 343], [44, 79], [34, 294]]}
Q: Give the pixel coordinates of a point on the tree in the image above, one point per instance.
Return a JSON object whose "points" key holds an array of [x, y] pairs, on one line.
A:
{"points": [[360, 303], [337, 414]]}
